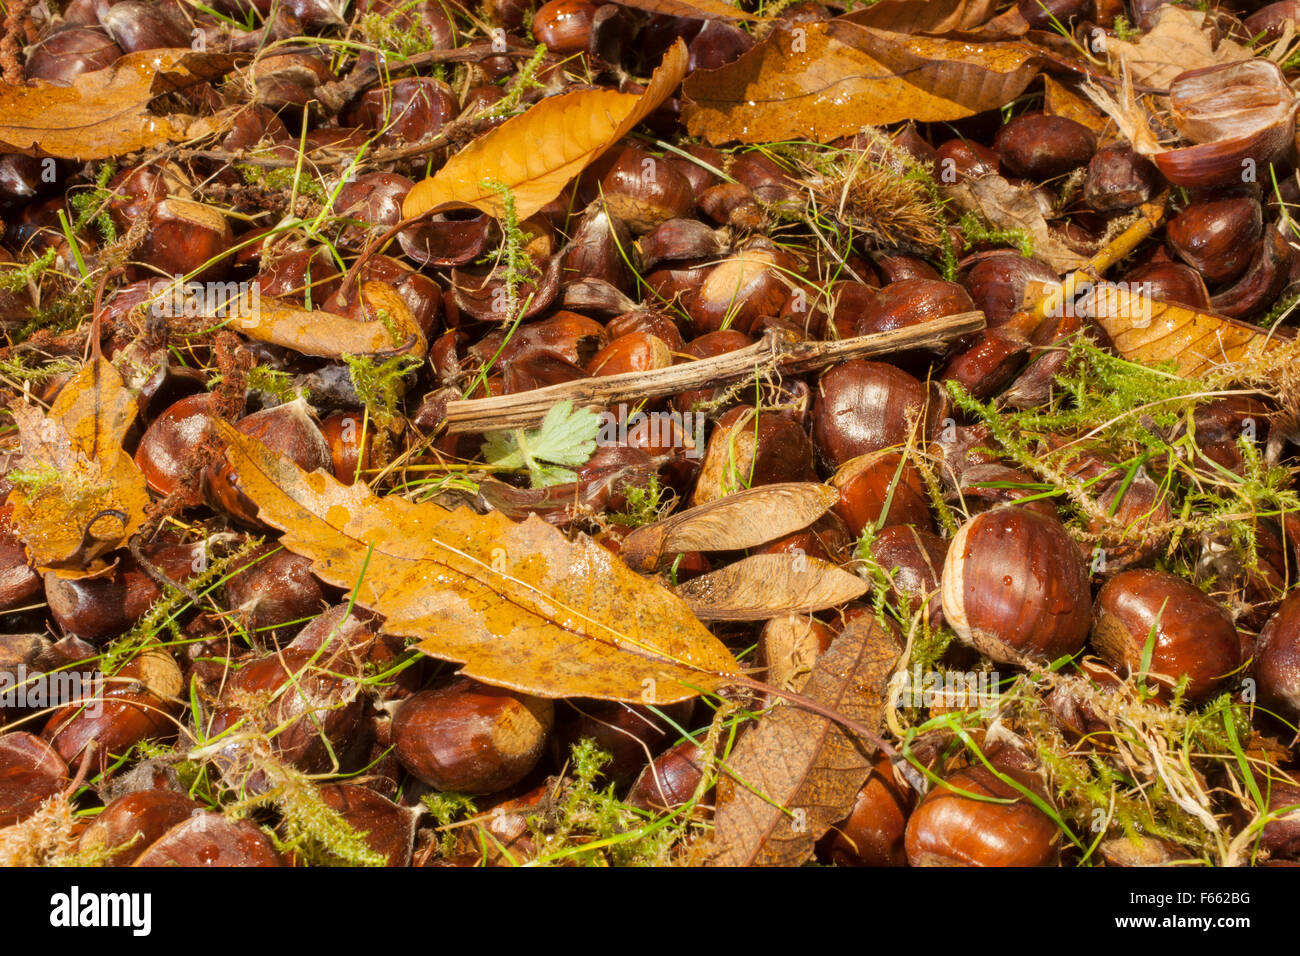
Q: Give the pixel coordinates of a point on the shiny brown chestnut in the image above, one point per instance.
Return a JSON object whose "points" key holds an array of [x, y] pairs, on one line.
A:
{"points": [[1268, 274], [632, 734], [1039, 146], [999, 281], [880, 488], [210, 839], [644, 191], [631, 352], [287, 430], [749, 448], [130, 824], [1217, 235], [1015, 585], [949, 828], [31, 771], [1119, 179], [873, 833], [1189, 633], [862, 407], [471, 738], [564, 25], [63, 56], [1277, 660], [740, 290], [273, 592], [670, 780], [913, 559]]}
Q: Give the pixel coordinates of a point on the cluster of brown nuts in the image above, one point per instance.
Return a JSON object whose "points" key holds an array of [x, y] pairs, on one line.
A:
{"points": [[650, 259]]}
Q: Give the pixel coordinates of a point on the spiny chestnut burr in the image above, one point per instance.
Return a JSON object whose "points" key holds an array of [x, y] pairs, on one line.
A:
{"points": [[872, 834], [863, 407], [644, 191], [132, 823], [1189, 633], [1015, 586], [1217, 235], [471, 738], [1277, 660], [210, 839], [1039, 146], [950, 829]]}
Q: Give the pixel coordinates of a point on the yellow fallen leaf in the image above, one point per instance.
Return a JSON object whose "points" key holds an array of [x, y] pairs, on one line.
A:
{"points": [[1149, 331], [519, 604], [77, 494], [536, 154], [105, 112]]}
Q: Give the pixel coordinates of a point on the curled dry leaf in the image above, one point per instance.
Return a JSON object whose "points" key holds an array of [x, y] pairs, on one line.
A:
{"points": [[1007, 206], [105, 112], [796, 774], [536, 154], [825, 80], [518, 604], [745, 519], [791, 645], [77, 494], [1179, 41], [933, 16], [1150, 331], [765, 585], [326, 334]]}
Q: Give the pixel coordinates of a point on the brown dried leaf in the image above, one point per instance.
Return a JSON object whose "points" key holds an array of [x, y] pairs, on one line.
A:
{"points": [[105, 112], [326, 334], [796, 774], [1179, 41], [825, 80], [537, 153], [88, 496], [742, 520], [791, 645], [765, 585], [1146, 330], [933, 16], [1006, 206], [518, 604]]}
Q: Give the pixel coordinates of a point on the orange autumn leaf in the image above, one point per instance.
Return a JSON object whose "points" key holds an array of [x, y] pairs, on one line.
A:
{"points": [[329, 335], [825, 80], [536, 154], [77, 494], [518, 604], [1149, 331], [105, 112]]}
